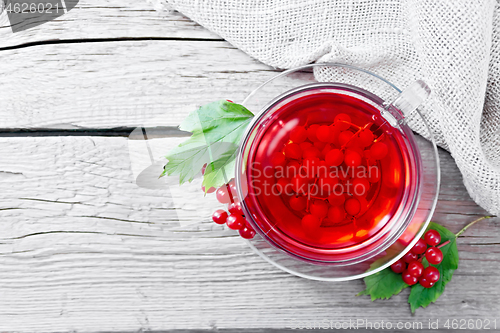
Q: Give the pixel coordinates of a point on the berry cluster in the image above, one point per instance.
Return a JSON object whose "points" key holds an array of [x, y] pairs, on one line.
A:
{"points": [[318, 169], [411, 264], [235, 220]]}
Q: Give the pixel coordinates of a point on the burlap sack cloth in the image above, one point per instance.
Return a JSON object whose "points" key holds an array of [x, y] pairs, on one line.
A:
{"points": [[452, 45]]}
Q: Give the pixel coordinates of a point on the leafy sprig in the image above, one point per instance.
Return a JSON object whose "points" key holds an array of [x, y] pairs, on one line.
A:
{"points": [[386, 283], [217, 129]]}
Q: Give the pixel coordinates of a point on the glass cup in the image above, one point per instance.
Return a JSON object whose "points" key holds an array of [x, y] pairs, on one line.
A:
{"points": [[393, 215]]}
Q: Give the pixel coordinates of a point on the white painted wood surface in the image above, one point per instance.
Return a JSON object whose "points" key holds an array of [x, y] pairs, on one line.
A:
{"points": [[126, 83], [92, 19], [83, 249]]}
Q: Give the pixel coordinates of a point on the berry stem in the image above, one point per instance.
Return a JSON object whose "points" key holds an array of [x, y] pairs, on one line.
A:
{"points": [[471, 224], [441, 245]]}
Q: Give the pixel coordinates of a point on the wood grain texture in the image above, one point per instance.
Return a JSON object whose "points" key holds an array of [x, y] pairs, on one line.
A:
{"points": [[104, 19], [84, 249], [127, 83]]}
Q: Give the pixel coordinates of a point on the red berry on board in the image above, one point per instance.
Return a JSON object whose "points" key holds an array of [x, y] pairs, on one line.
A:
{"points": [[323, 133], [311, 222], [344, 137], [432, 237], [292, 150], [235, 222], [352, 206], [235, 208], [434, 255], [415, 268], [319, 208], [343, 121], [336, 199], [409, 257], [336, 214], [379, 150], [408, 278], [365, 137], [419, 247], [399, 266], [352, 158], [247, 232], [311, 132], [334, 157], [298, 203], [298, 134], [431, 274], [219, 216], [222, 195], [425, 283]]}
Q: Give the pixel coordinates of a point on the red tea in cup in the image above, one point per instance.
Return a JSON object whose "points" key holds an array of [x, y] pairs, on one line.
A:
{"points": [[326, 174]]}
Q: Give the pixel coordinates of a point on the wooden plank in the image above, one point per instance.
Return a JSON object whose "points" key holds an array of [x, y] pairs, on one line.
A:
{"points": [[83, 248], [92, 19], [114, 84]]}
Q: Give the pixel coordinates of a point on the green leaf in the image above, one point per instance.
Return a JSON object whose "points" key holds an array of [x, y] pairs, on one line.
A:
{"points": [[422, 297], [217, 130], [383, 285], [211, 115], [221, 171], [188, 159]]}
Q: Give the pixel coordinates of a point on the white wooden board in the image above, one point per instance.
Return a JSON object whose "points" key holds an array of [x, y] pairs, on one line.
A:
{"points": [[106, 19], [113, 84], [84, 249]]}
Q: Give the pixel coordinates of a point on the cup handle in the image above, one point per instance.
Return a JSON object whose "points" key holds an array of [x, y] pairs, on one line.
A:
{"points": [[411, 98]]}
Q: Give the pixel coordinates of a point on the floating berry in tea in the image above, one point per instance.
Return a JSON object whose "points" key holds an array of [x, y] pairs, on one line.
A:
{"points": [[379, 150], [292, 150], [310, 222], [323, 133], [298, 203], [319, 209], [298, 134], [334, 157]]}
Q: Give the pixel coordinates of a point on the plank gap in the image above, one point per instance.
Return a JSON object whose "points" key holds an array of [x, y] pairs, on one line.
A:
{"points": [[106, 40], [152, 132]]}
